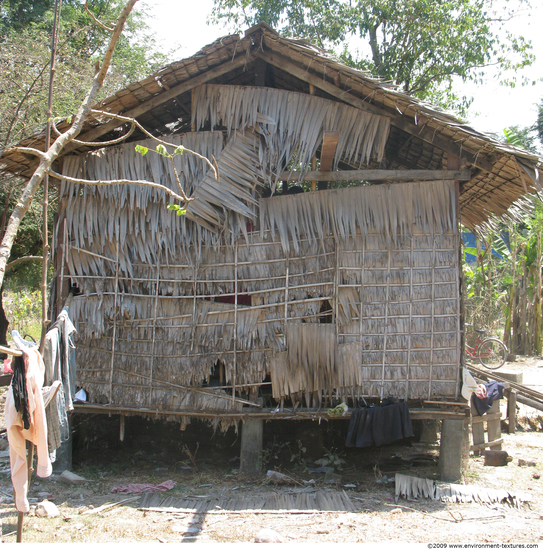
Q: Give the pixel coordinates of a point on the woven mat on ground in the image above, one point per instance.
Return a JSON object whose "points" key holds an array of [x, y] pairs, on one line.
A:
{"points": [[302, 502]]}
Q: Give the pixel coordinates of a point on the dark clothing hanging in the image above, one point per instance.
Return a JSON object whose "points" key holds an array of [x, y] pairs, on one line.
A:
{"points": [[494, 391], [18, 385], [379, 425]]}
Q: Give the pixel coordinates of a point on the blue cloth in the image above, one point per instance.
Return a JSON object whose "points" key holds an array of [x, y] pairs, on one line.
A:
{"points": [[379, 425], [494, 391]]}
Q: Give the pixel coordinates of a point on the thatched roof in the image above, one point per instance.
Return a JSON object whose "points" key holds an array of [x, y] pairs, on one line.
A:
{"points": [[417, 136]]}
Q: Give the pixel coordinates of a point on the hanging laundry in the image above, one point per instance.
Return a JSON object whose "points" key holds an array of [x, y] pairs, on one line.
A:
{"points": [[482, 402], [59, 355], [59, 359], [378, 426], [18, 387], [36, 432]]}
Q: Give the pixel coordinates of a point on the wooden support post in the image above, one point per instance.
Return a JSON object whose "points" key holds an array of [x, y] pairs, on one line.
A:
{"points": [[452, 449], [122, 419], [493, 426], [252, 437], [512, 411]]}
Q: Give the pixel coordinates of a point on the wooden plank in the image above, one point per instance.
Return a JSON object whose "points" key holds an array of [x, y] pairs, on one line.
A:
{"points": [[301, 414], [491, 444], [381, 175], [494, 424], [328, 151], [512, 411], [477, 430], [485, 418], [448, 403]]}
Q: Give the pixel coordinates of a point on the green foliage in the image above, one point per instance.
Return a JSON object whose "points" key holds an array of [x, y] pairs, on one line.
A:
{"points": [[161, 150], [539, 121], [484, 286], [524, 138], [25, 37], [29, 238], [285, 452], [419, 45], [141, 150], [501, 289], [23, 310], [180, 211]]}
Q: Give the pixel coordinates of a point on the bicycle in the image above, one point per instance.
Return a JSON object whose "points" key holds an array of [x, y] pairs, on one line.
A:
{"points": [[490, 351]]}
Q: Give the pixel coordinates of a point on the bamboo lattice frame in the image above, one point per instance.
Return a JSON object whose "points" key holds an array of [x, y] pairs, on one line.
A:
{"points": [[150, 334]]}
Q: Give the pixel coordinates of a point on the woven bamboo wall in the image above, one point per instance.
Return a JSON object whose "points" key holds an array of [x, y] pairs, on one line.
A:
{"points": [[150, 330]]}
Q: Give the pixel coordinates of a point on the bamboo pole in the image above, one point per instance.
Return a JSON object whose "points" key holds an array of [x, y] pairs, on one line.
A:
{"points": [[385, 326], [410, 333], [362, 296], [154, 333], [62, 265], [11, 351], [235, 321], [45, 230], [433, 307], [113, 340], [194, 292]]}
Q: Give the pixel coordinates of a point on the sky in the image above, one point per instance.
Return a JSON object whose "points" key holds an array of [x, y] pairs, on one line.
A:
{"points": [[183, 23]]}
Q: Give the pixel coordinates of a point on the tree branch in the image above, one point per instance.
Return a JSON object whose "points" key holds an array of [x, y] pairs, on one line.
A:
{"points": [[101, 143], [21, 260], [97, 21], [183, 199], [28, 150]]}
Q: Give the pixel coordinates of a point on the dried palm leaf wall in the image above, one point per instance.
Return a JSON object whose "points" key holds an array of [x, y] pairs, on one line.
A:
{"points": [[149, 328], [379, 262]]}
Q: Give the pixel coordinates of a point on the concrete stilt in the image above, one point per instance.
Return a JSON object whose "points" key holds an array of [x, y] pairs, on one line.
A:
{"points": [[453, 449], [252, 437], [429, 431]]}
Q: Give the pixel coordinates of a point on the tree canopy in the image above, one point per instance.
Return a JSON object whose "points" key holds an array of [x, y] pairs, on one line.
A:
{"points": [[25, 37], [25, 43], [419, 45]]}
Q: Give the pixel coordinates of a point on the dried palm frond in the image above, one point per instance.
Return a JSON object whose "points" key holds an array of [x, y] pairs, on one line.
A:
{"points": [[386, 210], [291, 125]]}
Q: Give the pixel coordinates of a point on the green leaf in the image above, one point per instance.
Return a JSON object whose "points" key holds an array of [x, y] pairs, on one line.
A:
{"points": [[141, 150], [179, 150], [69, 119], [179, 210], [161, 150]]}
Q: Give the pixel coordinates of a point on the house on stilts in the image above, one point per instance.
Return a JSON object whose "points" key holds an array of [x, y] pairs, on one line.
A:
{"points": [[322, 267]]}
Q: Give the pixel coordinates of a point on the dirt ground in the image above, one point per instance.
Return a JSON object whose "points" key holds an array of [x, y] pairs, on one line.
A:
{"points": [[359, 484]]}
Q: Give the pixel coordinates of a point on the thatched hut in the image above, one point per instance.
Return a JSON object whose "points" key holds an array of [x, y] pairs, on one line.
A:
{"points": [[261, 297]]}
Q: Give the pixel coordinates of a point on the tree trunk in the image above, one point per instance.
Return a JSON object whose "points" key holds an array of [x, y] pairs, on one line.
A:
{"points": [[537, 297], [47, 158], [509, 341], [523, 302], [4, 323]]}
